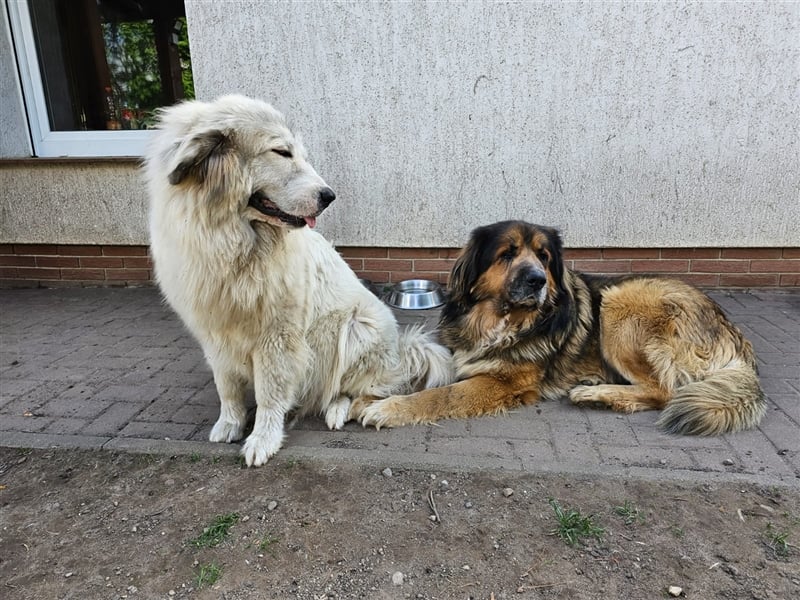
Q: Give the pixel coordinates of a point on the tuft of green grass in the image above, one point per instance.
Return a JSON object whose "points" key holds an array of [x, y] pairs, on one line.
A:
{"points": [[777, 541], [194, 457], [266, 544], [215, 532], [629, 512], [573, 526], [208, 575], [678, 532]]}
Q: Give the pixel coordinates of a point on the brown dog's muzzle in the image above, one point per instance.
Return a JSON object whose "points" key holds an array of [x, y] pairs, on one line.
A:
{"points": [[527, 285]]}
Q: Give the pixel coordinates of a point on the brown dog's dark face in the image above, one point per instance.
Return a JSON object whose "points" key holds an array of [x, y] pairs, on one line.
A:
{"points": [[514, 265]]}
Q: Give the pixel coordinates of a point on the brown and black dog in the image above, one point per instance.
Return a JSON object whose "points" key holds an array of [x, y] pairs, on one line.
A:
{"points": [[523, 327]]}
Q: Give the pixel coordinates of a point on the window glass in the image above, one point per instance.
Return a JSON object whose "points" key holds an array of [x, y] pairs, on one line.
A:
{"points": [[108, 64]]}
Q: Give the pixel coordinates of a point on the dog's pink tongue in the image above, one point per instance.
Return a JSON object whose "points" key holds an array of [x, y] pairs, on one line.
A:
{"points": [[311, 221]]}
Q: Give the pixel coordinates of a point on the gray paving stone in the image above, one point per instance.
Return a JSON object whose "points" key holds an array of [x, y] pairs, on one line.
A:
{"points": [[202, 431], [658, 458], [14, 388], [138, 394], [27, 424], [533, 453], [757, 454], [159, 431], [575, 447], [490, 447], [780, 430], [205, 395], [115, 368], [32, 400], [195, 413], [74, 408], [520, 424], [114, 419], [164, 406], [20, 439], [65, 425], [611, 428]]}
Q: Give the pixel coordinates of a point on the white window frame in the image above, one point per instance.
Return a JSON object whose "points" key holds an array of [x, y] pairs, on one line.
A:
{"points": [[48, 143]]}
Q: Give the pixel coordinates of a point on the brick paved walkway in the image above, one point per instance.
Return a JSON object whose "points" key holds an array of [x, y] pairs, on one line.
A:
{"points": [[114, 369]]}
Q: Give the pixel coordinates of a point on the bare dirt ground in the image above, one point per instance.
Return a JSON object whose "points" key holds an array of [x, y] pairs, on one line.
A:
{"points": [[93, 524]]}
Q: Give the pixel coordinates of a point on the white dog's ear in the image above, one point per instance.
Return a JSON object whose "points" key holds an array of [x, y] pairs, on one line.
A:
{"points": [[202, 157]]}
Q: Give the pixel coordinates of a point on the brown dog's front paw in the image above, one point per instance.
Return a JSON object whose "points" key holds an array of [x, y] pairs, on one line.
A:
{"points": [[382, 413], [358, 406], [583, 393]]}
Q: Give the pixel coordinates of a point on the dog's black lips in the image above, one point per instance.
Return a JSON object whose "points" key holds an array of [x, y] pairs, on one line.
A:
{"points": [[264, 205]]}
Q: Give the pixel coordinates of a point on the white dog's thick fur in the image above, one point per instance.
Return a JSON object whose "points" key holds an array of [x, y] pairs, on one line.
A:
{"points": [[272, 303]]}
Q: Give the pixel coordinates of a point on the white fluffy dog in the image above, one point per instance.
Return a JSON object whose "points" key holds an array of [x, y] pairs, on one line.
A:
{"points": [[274, 306]]}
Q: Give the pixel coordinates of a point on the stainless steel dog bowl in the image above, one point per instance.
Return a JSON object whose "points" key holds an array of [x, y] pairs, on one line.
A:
{"points": [[416, 294]]}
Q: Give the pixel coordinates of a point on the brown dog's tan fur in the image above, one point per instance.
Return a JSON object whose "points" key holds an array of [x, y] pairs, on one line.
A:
{"points": [[524, 327]]}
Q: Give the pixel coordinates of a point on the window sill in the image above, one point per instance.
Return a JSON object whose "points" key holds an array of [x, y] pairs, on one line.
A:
{"points": [[61, 160]]}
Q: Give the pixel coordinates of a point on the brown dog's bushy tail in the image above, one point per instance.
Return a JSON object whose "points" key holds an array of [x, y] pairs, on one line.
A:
{"points": [[425, 363], [727, 400]]}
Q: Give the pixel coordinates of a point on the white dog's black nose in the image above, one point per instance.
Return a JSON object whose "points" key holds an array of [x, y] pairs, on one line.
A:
{"points": [[326, 196]]}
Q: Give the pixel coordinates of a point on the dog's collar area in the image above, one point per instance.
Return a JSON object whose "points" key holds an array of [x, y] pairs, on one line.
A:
{"points": [[264, 205]]}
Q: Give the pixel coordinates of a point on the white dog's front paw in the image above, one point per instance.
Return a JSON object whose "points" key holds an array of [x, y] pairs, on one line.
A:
{"points": [[338, 413], [258, 449], [226, 430]]}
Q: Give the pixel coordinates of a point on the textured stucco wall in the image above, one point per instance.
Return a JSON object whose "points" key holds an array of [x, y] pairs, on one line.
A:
{"points": [[72, 203], [14, 141], [641, 125]]}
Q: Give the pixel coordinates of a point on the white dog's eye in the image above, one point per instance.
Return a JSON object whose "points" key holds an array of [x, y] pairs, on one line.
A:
{"points": [[282, 152]]}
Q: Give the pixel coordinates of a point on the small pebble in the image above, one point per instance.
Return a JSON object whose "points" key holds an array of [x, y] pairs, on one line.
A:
{"points": [[674, 591], [432, 518], [272, 505], [467, 504], [444, 483], [387, 472], [68, 574], [727, 462], [398, 578], [171, 592], [465, 567], [508, 492]]}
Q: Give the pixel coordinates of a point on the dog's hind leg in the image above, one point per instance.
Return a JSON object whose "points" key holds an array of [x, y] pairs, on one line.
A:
{"points": [[232, 411]]}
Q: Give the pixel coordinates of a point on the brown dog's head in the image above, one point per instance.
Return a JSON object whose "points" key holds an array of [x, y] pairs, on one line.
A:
{"points": [[512, 266]]}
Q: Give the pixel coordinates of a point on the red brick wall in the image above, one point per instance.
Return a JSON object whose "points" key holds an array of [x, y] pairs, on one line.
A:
{"points": [[50, 265]]}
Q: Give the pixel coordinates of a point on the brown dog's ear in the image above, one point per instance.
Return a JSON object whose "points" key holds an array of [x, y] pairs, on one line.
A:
{"points": [[202, 157], [474, 259], [463, 276], [556, 266]]}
